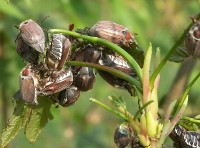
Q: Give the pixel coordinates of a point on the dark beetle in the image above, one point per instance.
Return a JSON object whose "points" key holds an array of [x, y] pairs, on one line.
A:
{"points": [[68, 96], [28, 84], [85, 79], [125, 137], [116, 62], [33, 35], [58, 52], [192, 40], [25, 51]]}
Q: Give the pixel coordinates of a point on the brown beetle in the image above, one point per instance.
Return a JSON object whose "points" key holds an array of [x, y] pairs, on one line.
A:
{"points": [[33, 35], [68, 96], [58, 52], [59, 80], [85, 79], [28, 84], [192, 40], [113, 32], [25, 51]]}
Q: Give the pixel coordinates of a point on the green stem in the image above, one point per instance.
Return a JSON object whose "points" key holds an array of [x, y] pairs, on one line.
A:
{"points": [[113, 71], [180, 103], [106, 43], [172, 50], [193, 120], [109, 109], [143, 107]]}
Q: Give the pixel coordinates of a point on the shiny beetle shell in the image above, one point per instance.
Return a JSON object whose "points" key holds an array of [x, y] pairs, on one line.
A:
{"points": [[85, 79], [85, 54], [33, 35], [192, 40], [25, 51], [68, 96], [58, 52], [28, 90], [117, 62], [59, 81], [124, 137], [113, 32]]}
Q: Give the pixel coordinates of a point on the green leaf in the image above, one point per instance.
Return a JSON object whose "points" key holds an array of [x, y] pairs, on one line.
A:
{"points": [[179, 55], [39, 116], [13, 125], [118, 101]]}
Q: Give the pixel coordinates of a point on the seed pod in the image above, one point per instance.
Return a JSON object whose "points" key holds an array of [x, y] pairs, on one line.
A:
{"points": [[125, 137], [28, 90], [85, 79], [58, 52], [33, 35], [192, 40], [59, 81], [113, 32], [25, 51], [68, 96]]}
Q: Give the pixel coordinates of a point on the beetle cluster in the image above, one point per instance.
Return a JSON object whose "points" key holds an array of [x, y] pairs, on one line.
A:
{"points": [[51, 76]]}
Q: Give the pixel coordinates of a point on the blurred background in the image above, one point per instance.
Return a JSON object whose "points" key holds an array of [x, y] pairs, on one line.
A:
{"points": [[85, 124]]}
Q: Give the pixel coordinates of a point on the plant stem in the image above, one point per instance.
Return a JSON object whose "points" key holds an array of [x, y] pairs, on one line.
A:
{"points": [[172, 50], [109, 108], [106, 43], [113, 71], [180, 103]]}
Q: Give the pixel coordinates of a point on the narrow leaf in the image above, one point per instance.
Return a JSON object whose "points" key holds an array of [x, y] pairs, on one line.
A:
{"points": [[179, 55]]}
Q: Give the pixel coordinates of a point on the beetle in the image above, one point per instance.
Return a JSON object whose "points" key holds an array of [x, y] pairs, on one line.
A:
{"points": [[85, 79], [28, 84], [58, 81], [85, 54], [59, 51], [32, 34], [116, 62], [25, 51], [184, 138], [125, 137], [113, 32], [68, 96], [192, 39]]}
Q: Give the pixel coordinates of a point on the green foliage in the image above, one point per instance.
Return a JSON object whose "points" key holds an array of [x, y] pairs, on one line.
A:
{"points": [[160, 22], [30, 117]]}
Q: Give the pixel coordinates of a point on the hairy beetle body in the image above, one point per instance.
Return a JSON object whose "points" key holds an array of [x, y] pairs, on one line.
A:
{"points": [[33, 35], [63, 80], [58, 52], [113, 32], [28, 84], [25, 51]]}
